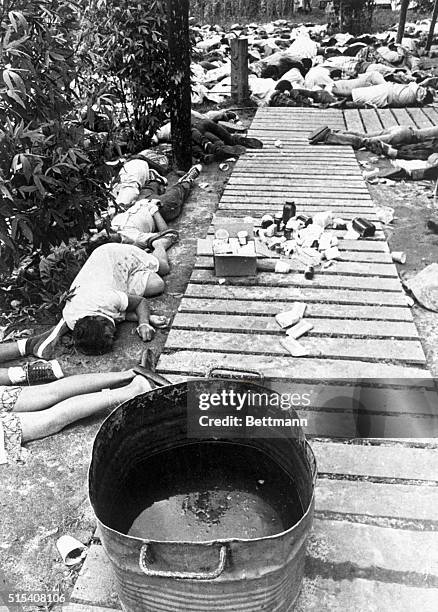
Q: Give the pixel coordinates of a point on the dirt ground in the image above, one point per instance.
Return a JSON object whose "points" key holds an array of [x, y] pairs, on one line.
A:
{"points": [[414, 205], [47, 497]]}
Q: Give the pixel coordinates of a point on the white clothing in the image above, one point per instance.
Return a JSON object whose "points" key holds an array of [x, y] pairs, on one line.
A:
{"points": [[111, 273], [345, 87], [318, 77], [131, 179], [387, 94], [294, 76]]}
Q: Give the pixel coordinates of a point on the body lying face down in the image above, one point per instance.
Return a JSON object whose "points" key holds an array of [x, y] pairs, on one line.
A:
{"points": [[111, 287]]}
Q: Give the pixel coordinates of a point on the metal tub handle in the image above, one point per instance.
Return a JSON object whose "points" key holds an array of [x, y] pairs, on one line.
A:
{"points": [[233, 373], [183, 575]]}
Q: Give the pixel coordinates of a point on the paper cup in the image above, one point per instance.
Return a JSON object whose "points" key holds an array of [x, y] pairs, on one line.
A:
{"points": [[332, 253], [70, 549], [282, 267], [242, 237], [399, 257], [222, 234]]}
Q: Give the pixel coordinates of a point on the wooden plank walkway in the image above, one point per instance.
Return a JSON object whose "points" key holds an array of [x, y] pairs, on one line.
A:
{"points": [[376, 526]]}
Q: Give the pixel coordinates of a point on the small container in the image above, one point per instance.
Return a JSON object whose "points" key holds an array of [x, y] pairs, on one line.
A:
{"points": [[278, 219], [363, 227], [309, 272], [266, 221], [289, 211], [305, 219], [242, 237], [270, 230], [71, 550], [324, 219], [371, 173], [299, 329], [292, 316], [399, 257], [325, 241], [222, 234], [339, 223], [332, 253], [287, 232], [294, 224], [282, 267]]}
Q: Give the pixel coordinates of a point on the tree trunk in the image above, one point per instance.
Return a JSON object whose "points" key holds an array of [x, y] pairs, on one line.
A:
{"points": [[179, 82]]}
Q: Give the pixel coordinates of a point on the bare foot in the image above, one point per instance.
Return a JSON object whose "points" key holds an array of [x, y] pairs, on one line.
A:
{"points": [[158, 321], [163, 243], [139, 385]]}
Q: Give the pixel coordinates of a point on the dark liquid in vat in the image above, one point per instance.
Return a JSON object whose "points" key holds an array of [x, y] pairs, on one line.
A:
{"points": [[207, 491]]}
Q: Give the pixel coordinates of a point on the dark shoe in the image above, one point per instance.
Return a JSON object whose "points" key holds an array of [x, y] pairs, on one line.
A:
{"points": [[43, 371], [319, 135], [192, 174], [152, 377], [432, 224], [226, 151], [208, 147], [251, 143]]}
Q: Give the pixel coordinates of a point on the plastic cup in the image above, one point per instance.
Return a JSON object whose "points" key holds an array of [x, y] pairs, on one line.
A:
{"points": [[70, 549], [242, 237], [222, 234], [399, 257]]}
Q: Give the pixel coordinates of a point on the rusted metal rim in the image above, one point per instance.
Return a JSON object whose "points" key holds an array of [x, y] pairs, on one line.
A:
{"points": [[275, 536]]}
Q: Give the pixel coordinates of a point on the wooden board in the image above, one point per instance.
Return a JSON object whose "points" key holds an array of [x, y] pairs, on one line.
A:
{"points": [[300, 293], [387, 118], [419, 118], [270, 308], [267, 324], [353, 120], [376, 504], [366, 349], [370, 120], [195, 362], [338, 267], [321, 279]]}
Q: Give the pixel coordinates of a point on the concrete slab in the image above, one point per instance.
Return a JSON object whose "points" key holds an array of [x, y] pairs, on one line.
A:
{"points": [[96, 583]]}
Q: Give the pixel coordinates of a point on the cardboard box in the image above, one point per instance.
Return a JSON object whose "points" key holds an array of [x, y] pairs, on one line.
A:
{"points": [[243, 260], [241, 264]]}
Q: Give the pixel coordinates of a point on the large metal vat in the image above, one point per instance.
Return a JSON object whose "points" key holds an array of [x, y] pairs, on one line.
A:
{"points": [[194, 576]]}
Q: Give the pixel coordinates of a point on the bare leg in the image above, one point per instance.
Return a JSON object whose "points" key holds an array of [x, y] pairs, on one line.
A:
{"points": [[50, 394], [160, 247], [160, 223], [4, 377], [9, 351], [154, 286], [50, 421]]}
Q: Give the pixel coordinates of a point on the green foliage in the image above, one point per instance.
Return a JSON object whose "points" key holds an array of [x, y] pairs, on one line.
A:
{"points": [[68, 65], [128, 45], [48, 187]]}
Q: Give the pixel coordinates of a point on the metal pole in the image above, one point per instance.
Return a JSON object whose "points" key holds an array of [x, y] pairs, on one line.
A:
{"points": [[402, 20], [432, 26], [179, 81]]}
